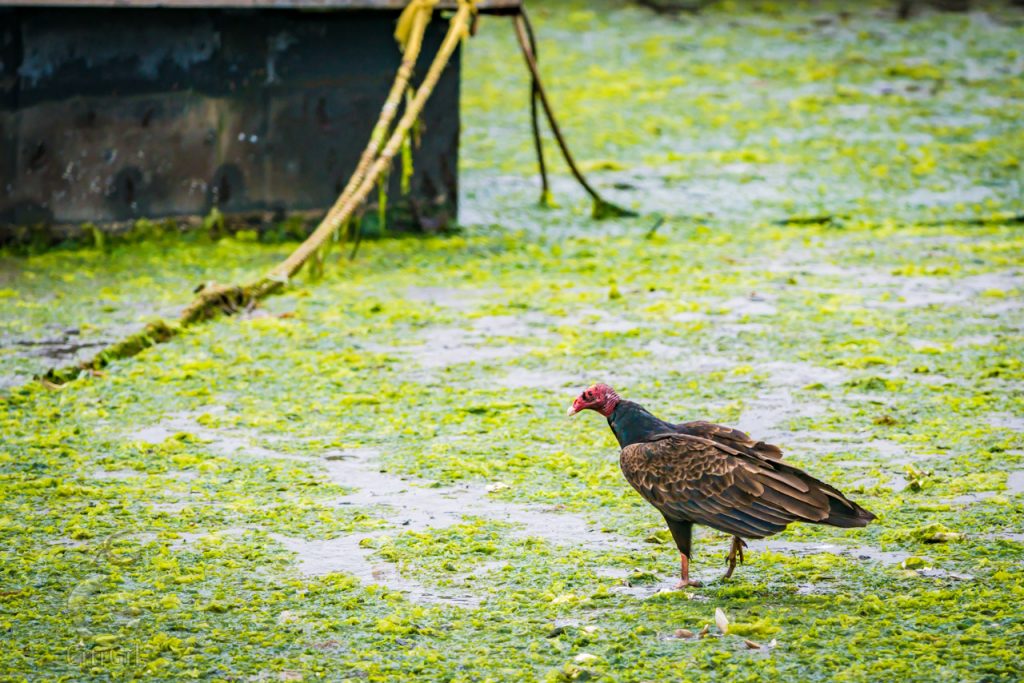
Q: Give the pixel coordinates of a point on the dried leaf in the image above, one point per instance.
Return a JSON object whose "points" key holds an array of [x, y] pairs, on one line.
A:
{"points": [[704, 631], [683, 633], [753, 645], [721, 621]]}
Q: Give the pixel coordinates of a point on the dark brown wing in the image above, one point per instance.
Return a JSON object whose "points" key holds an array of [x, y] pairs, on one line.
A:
{"points": [[733, 438], [694, 479]]}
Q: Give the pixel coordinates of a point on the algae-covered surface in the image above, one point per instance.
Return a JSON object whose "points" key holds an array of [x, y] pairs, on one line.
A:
{"points": [[371, 476]]}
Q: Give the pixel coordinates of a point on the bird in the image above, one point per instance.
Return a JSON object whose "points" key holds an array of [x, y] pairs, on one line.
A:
{"points": [[713, 475]]}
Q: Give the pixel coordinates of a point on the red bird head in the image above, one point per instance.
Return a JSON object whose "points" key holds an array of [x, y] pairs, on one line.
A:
{"points": [[598, 397]]}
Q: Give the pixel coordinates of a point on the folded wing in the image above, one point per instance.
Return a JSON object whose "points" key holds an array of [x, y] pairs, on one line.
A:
{"points": [[733, 438], [701, 480]]}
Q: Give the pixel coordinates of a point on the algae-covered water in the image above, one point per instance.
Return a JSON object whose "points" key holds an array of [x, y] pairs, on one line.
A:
{"points": [[371, 476]]}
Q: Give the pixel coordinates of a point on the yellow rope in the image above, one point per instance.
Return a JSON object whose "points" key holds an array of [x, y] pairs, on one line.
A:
{"points": [[371, 166], [458, 28], [415, 10], [416, 16]]}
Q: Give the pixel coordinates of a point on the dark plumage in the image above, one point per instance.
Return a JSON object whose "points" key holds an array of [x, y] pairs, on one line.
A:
{"points": [[703, 473]]}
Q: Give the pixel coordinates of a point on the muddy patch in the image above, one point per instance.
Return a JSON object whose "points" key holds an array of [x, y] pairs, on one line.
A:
{"points": [[939, 291], [63, 347], [444, 346], [448, 297], [28, 352], [188, 539], [1007, 421], [417, 506], [540, 379], [765, 415], [1013, 537], [1015, 483], [749, 306], [971, 498], [936, 573], [347, 555], [221, 443], [411, 505], [685, 360], [862, 553], [526, 325], [116, 474], [597, 320]]}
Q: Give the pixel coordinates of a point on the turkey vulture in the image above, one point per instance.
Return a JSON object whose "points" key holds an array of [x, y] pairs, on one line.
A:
{"points": [[703, 473]]}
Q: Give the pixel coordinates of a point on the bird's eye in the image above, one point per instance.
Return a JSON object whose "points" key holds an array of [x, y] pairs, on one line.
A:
{"points": [[586, 395]]}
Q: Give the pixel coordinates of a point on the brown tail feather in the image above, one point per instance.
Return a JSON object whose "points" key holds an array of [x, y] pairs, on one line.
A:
{"points": [[842, 512], [846, 514]]}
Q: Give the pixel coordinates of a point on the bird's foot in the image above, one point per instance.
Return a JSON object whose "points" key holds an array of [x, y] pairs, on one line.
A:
{"points": [[735, 553], [684, 573]]}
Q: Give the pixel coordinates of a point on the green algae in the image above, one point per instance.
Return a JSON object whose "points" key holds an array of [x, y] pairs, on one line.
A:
{"points": [[875, 346]]}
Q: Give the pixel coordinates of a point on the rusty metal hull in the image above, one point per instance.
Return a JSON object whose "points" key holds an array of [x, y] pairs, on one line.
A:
{"points": [[113, 114]]}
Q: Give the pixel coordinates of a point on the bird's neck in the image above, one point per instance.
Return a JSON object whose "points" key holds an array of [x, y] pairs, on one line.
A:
{"points": [[631, 423]]}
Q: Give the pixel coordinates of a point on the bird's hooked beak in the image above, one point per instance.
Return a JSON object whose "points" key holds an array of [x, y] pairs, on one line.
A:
{"points": [[576, 407]]}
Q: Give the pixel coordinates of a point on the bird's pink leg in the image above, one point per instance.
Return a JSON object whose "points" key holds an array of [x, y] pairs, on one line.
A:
{"points": [[684, 570]]}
